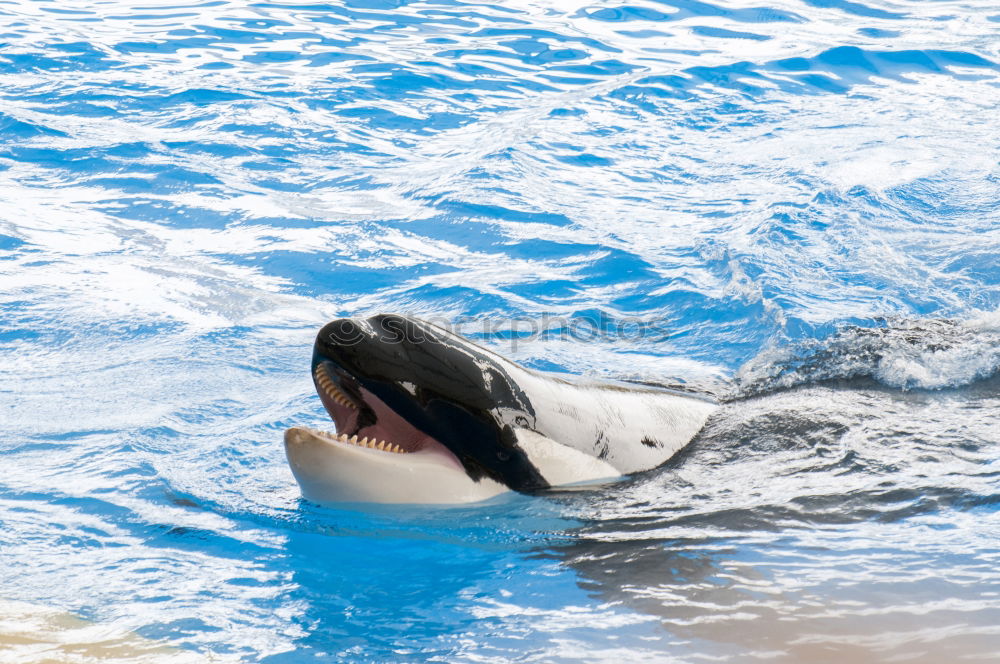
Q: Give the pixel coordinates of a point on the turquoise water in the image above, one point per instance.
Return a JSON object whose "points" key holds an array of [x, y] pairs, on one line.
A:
{"points": [[798, 204]]}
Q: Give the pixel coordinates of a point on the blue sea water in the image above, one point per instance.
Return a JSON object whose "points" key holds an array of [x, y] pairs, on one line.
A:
{"points": [[795, 202]]}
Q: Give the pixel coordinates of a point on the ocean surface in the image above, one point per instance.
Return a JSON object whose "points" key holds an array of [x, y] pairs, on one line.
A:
{"points": [[790, 205]]}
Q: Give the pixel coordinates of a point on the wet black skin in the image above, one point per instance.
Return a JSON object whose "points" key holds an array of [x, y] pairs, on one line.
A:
{"points": [[456, 391]]}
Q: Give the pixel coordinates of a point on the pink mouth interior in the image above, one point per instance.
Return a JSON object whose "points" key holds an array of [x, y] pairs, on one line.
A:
{"points": [[388, 425]]}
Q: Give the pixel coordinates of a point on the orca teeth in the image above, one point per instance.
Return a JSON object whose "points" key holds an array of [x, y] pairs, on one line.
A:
{"points": [[330, 388], [372, 444]]}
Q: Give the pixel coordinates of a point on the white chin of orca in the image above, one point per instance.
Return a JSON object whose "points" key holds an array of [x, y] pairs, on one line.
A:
{"points": [[333, 468]]}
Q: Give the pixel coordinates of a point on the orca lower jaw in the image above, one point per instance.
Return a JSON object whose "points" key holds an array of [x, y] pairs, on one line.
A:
{"points": [[376, 456]]}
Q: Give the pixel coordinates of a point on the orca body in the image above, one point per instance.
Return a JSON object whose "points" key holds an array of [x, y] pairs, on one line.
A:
{"points": [[425, 416]]}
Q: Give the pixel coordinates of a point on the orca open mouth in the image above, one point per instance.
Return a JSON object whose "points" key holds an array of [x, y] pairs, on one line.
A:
{"points": [[362, 419]]}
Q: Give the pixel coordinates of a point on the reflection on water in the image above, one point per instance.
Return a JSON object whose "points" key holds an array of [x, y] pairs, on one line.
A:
{"points": [[824, 524], [803, 196]]}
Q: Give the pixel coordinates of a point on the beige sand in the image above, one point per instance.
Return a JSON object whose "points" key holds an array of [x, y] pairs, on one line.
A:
{"points": [[32, 634]]}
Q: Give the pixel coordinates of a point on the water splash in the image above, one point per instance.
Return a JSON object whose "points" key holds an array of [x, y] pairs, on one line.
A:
{"points": [[906, 354]]}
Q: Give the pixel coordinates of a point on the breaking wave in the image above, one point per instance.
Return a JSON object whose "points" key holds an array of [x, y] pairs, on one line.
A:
{"points": [[905, 354]]}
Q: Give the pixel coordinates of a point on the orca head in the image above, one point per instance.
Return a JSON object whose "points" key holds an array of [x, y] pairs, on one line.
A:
{"points": [[421, 414]]}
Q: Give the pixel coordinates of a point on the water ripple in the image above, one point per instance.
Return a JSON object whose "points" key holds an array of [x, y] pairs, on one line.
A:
{"points": [[801, 200]]}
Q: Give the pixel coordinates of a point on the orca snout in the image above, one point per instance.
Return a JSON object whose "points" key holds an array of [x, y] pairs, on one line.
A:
{"points": [[341, 332]]}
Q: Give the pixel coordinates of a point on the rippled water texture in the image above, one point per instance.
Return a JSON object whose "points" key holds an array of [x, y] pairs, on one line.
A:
{"points": [[802, 198]]}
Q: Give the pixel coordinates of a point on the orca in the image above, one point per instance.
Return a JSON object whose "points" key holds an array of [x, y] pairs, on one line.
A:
{"points": [[423, 415]]}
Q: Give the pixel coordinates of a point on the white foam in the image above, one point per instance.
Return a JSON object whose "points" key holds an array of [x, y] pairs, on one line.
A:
{"points": [[908, 354]]}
